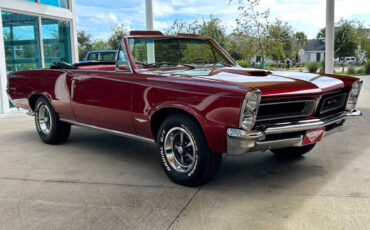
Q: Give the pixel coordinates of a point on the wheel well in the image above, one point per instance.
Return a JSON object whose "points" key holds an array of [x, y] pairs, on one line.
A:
{"points": [[161, 115], [33, 99]]}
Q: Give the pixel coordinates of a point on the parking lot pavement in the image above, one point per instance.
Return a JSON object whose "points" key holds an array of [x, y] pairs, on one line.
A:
{"points": [[101, 181]]}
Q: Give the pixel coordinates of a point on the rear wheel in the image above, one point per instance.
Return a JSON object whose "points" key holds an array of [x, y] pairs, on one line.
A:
{"points": [[293, 151], [50, 129], [185, 156]]}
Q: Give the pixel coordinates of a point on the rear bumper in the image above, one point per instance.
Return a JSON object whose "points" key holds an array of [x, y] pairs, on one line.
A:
{"points": [[287, 134]]}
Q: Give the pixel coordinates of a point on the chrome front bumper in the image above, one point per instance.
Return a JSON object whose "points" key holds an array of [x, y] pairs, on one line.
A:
{"points": [[287, 134]]}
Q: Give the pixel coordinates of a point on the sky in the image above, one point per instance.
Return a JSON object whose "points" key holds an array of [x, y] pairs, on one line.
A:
{"points": [[97, 16]]}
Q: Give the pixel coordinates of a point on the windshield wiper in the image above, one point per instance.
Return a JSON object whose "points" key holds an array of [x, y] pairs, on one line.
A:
{"points": [[209, 62], [159, 64], [225, 64]]}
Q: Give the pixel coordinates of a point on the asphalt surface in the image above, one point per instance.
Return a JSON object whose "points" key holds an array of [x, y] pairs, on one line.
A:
{"points": [[101, 181]]}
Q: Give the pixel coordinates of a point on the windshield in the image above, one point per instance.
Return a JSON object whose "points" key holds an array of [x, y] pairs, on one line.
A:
{"points": [[175, 52]]}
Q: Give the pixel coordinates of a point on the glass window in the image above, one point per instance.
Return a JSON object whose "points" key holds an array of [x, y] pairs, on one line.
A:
{"points": [[57, 41], [104, 56], [107, 57], [122, 62], [164, 52], [21, 40], [57, 3], [93, 57]]}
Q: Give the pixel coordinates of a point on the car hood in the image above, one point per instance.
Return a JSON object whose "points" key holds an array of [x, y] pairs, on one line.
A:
{"points": [[270, 83]]}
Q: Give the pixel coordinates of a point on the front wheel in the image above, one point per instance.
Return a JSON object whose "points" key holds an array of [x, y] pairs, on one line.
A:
{"points": [[293, 151], [185, 156], [50, 129]]}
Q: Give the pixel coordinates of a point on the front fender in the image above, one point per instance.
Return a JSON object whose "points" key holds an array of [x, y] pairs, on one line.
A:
{"points": [[214, 130]]}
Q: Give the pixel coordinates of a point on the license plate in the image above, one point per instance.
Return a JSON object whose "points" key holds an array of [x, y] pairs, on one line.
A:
{"points": [[313, 136]]}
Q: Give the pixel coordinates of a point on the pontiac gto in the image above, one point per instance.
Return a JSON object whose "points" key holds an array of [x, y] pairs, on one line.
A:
{"points": [[190, 97]]}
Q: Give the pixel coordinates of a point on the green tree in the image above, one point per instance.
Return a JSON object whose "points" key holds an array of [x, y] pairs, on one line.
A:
{"points": [[280, 43], [239, 46], [100, 45], [345, 40], [84, 43], [301, 39], [213, 28], [182, 27], [363, 36], [253, 24], [321, 34], [118, 32]]}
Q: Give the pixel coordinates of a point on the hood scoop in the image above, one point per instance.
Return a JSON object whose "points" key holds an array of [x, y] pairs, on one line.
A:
{"points": [[247, 71]]}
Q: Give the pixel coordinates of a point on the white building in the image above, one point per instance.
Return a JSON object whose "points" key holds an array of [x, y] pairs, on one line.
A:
{"points": [[34, 34], [314, 51]]}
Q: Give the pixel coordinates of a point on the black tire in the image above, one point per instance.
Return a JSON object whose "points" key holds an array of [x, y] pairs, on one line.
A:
{"points": [[292, 152], [54, 131], [205, 164]]}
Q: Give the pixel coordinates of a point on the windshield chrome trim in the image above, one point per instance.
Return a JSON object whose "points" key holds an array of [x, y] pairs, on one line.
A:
{"points": [[123, 45]]}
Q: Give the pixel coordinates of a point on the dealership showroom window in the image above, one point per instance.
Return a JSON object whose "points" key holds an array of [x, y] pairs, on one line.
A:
{"points": [[36, 33]]}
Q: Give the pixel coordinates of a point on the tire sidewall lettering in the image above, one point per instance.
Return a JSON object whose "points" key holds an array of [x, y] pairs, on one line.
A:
{"points": [[164, 158], [161, 149]]}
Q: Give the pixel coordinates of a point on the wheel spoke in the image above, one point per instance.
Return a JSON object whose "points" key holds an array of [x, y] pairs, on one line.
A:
{"points": [[44, 119], [182, 138], [190, 156], [179, 150]]}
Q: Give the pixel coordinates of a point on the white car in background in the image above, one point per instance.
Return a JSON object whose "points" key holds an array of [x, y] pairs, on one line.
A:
{"points": [[350, 61]]}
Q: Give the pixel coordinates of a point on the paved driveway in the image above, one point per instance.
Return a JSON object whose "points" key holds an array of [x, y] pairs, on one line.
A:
{"points": [[101, 181]]}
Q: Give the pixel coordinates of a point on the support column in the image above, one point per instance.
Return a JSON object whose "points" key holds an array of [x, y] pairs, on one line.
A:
{"points": [[329, 38], [4, 102], [73, 33], [149, 26], [149, 14]]}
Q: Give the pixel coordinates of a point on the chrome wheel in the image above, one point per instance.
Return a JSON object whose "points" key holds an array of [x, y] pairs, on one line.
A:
{"points": [[44, 119], [179, 150]]}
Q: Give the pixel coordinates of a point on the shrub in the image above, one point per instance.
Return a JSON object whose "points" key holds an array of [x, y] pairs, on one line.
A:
{"points": [[300, 64], [351, 70], [322, 66], [312, 67], [275, 65], [243, 63], [361, 70], [300, 69], [270, 67], [367, 67]]}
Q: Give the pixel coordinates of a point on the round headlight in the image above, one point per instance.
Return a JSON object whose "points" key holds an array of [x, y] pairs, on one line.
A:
{"points": [[252, 101], [248, 120]]}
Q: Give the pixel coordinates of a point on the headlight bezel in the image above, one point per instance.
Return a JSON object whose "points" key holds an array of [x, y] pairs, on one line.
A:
{"points": [[353, 95], [250, 105]]}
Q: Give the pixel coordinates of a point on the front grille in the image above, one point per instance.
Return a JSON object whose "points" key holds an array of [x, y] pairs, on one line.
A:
{"points": [[332, 102], [285, 109]]}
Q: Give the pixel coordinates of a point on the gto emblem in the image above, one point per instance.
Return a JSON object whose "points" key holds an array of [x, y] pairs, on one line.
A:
{"points": [[332, 101]]}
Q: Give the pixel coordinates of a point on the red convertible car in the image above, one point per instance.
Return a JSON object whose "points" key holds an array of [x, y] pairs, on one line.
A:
{"points": [[189, 96]]}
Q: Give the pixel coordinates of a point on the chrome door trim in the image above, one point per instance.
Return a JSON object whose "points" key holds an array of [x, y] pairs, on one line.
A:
{"points": [[129, 135]]}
